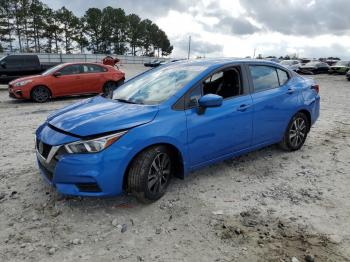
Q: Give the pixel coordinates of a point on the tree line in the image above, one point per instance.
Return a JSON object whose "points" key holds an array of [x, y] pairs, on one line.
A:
{"points": [[31, 26]]}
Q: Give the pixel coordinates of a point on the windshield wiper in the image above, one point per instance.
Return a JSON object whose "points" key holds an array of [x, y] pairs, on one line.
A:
{"points": [[125, 101]]}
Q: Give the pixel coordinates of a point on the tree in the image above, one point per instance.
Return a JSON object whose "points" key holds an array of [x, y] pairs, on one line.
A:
{"points": [[36, 27], [68, 23], [79, 36], [6, 25], [37, 12], [119, 36], [134, 32], [93, 18]]}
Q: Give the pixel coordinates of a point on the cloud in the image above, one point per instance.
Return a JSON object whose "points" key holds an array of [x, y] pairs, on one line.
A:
{"points": [[303, 17], [145, 9], [199, 47]]}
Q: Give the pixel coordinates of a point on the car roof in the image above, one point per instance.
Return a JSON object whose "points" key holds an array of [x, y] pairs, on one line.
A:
{"points": [[83, 63], [218, 62]]}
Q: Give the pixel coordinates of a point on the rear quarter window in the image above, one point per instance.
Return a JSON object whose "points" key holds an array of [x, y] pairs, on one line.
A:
{"points": [[282, 76], [264, 77]]}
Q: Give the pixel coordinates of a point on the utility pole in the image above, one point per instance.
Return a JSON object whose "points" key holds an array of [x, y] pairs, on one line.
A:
{"points": [[254, 52], [189, 47]]}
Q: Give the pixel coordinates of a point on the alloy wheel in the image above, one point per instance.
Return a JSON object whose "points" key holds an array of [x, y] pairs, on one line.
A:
{"points": [[297, 132], [159, 173], [40, 94]]}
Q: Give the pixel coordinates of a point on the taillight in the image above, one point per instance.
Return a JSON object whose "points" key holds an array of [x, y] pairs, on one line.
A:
{"points": [[316, 88]]}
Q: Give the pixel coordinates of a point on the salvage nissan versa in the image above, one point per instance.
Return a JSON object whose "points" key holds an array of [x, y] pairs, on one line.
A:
{"points": [[172, 120]]}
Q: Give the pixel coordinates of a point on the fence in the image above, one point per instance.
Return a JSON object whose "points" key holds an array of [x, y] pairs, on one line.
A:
{"points": [[64, 58]]}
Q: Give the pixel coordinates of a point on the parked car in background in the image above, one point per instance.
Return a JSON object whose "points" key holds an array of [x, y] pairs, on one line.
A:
{"points": [[314, 67], [348, 75], [15, 66], [153, 63], [67, 79], [341, 67], [304, 61], [172, 120], [291, 64], [272, 59]]}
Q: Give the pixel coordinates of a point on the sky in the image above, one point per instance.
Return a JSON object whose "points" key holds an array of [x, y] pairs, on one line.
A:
{"points": [[235, 28]]}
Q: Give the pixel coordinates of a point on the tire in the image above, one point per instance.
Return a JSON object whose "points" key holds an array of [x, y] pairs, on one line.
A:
{"points": [[296, 133], [150, 173], [40, 94], [110, 86]]}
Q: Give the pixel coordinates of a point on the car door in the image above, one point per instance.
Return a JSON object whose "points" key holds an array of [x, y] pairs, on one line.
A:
{"points": [[93, 78], [220, 131], [275, 99], [12, 66], [68, 81]]}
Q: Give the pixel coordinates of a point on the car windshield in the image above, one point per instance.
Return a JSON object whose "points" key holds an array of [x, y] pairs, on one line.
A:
{"points": [[52, 69], [342, 63], [157, 85]]}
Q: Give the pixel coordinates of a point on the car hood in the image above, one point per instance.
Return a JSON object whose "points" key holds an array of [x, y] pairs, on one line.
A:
{"points": [[25, 78], [99, 115]]}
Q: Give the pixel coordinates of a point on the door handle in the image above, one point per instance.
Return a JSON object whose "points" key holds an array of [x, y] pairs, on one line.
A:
{"points": [[290, 91], [243, 107]]}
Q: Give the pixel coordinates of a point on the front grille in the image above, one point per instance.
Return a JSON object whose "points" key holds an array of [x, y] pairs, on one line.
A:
{"points": [[88, 187], [43, 149], [47, 173]]}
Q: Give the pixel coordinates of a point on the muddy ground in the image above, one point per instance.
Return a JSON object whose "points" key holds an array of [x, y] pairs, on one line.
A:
{"points": [[268, 205]]}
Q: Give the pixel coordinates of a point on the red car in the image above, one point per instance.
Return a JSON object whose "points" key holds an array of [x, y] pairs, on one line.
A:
{"points": [[67, 79]]}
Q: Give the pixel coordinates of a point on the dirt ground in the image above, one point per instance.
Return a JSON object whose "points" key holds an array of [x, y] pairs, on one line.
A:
{"points": [[268, 205]]}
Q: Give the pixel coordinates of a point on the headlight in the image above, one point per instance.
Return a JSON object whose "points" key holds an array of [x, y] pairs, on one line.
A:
{"points": [[22, 83], [93, 145]]}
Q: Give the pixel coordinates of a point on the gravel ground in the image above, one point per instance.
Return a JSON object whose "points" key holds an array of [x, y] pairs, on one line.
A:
{"points": [[268, 205]]}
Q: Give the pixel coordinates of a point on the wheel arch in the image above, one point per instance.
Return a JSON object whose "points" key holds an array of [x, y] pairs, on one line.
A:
{"points": [[32, 89], [175, 153], [308, 115]]}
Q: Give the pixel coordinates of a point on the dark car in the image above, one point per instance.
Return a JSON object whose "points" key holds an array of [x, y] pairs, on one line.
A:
{"points": [[153, 63], [341, 68], [314, 67], [16, 66]]}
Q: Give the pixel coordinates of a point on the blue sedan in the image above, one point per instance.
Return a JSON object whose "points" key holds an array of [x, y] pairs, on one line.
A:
{"points": [[172, 120]]}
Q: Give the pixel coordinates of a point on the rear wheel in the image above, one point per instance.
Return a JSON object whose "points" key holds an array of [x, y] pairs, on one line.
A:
{"points": [[110, 86], [40, 94], [296, 133], [150, 174]]}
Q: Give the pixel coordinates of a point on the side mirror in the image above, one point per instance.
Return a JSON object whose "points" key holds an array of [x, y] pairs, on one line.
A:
{"points": [[210, 100], [57, 74], [3, 64]]}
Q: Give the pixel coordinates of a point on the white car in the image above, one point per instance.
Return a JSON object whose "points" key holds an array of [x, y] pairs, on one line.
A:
{"points": [[291, 64]]}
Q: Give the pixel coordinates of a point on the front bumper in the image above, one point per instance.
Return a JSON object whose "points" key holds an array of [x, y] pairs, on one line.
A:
{"points": [[98, 174], [15, 93]]}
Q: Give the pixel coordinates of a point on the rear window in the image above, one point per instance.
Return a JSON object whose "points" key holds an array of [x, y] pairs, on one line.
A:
{"points": [[264, 77]]}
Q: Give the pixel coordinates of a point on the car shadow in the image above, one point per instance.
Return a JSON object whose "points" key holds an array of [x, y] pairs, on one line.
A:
{"points": [[129, 203]]}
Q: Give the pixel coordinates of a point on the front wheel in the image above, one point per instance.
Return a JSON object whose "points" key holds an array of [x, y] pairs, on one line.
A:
{"points": [[40, 94], [296, 133], [150, 174]]}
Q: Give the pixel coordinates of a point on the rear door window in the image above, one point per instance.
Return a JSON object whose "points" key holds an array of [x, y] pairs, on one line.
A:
{"points": [[264, 77]]}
